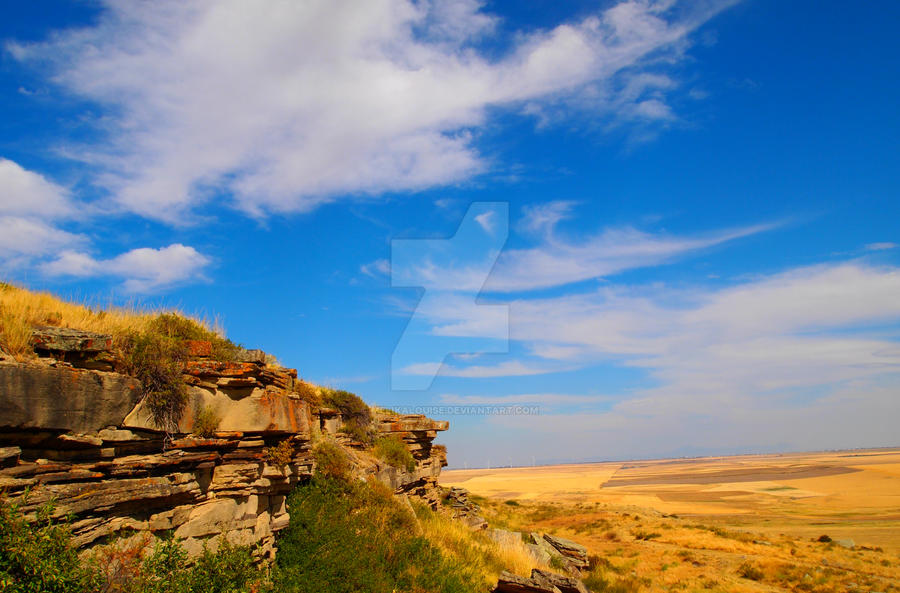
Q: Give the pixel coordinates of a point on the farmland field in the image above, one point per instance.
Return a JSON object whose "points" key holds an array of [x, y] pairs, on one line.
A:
{"points": [[703, 523]]}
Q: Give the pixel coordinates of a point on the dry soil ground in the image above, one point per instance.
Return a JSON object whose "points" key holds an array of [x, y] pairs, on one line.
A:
{"points": [[746, 523]]}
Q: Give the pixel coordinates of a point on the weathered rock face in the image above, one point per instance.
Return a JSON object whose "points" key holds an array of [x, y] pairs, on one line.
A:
{"points": [[83, 439], [541, 581], [63, 398]]}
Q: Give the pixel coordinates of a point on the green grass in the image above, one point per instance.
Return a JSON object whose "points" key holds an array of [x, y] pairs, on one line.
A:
{"points": [[394, 452], [354, 536]]}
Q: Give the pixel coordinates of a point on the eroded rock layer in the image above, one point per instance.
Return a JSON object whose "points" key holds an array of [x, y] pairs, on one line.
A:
{"points": [[83, 440]]}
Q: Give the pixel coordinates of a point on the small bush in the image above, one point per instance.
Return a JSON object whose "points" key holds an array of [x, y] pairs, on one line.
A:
{"points": [[750, 571], [351, 406], [308, 393], [206, 422], [158, 361], [644, 535], [331, 460], [36, 557], [178, 327], [824, 539], [280, 455], [360, 434], [511, 502], [394, 451]]}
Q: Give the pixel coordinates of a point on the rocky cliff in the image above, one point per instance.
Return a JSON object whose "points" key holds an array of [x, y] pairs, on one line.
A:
{"points": [[76, 434]]}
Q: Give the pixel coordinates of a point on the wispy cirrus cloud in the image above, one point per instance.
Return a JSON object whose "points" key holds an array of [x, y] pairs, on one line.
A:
{"points": [[259, 102]]}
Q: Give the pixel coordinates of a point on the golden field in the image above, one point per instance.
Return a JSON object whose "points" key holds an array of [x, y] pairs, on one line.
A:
{"points": [[744, 523]]}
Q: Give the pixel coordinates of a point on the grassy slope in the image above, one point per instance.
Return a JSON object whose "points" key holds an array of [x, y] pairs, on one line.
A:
{"points": [[21, 310]]}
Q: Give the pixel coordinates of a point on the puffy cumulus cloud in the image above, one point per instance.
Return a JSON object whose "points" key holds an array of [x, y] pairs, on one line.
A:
{"points": [[26, 193], [286, 105], [30, 207], [25, 238], [142, 270], [31, 210]]}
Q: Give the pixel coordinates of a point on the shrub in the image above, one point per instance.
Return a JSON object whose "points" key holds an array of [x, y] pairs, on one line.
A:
{"points": [[347, 537], [824, 539], [331, 460], [206, 422], [37, 557], [750, 571], [394, 452], [280, 455], [360, 434], [308, 393], [158, 361], [351, 406], [644, 535], [511, 502], [179, 327]]}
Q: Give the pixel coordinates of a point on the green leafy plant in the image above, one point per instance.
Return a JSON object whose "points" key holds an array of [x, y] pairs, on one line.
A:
{"points": [[158, 361], [331, 460], [36, 556], [280, 455], [206, 422], [394, 452], [354, 536], [354, 410]]}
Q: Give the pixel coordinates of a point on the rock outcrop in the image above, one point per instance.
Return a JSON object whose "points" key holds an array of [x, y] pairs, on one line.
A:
{"points": [[541, 581], [84, 440]]}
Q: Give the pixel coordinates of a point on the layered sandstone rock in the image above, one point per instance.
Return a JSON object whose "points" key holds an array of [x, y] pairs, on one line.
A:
{"points": [[84, 440]]}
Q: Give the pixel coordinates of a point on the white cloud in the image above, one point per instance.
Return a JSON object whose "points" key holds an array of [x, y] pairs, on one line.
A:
{"points": [[142, 270], [289, 105], [546, 399], [26, 193], [558, 261], [30, 237], [883, 246], [805, 359], [512, 368], [29, 203]]}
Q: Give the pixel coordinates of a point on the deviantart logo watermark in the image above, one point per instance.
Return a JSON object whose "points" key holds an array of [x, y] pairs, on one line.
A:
{"points": [[449, 322]]}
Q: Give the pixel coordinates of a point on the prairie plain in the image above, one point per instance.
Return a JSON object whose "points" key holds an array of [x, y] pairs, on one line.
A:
{"points": [[824, 521]]}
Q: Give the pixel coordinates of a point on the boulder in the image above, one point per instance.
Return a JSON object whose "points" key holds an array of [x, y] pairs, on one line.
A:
{"points": [[9, 456], [563, 583], [511, 583], [61, 339], [251, 356], [575, 553]]}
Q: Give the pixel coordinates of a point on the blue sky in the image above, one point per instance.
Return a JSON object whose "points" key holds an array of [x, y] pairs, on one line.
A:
{"points": [[682, 218]]}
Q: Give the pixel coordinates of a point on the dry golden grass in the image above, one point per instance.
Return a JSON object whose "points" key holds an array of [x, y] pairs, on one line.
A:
{"points": [[474, 548], [671, 525], [21, 310]]}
